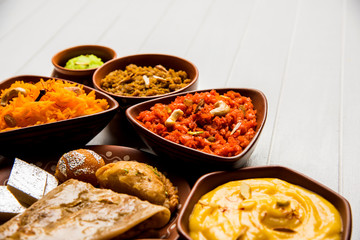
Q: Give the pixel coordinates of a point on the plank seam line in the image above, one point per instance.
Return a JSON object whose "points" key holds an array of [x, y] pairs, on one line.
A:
{"points": [[283, 80], [199, 27], [239, 47], [52, 37], [341, 105], [109, 26], [24, 19], [154, 27]]}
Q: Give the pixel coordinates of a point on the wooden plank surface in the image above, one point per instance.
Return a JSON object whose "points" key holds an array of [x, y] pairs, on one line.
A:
{"points": [[304, 55]]}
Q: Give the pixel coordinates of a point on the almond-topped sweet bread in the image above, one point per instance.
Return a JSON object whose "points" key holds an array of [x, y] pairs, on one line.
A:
{"points": [[77, 210], [141, 180]]}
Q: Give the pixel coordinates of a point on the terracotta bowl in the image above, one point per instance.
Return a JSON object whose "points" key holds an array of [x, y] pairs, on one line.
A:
{"points": [[189, 156], [168, 61], [62, 134], [212, 180], [83, 76]]}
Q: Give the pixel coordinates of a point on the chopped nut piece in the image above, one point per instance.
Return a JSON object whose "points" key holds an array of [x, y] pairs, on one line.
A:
{"points": [[161, 67], [9, 120], [199, 105], [173, 117], [146, 80], [188, 102], [281, 202], [76, 90], [236, 128], [160, 78], [221, 108], [11, 94], [245, 191], [247, 205]]}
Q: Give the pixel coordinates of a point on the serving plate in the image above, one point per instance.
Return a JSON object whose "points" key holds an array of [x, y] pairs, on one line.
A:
{"points": [[61, 134], [112, 153]]}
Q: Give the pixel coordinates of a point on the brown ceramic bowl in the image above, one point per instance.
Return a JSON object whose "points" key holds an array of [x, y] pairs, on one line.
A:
{"points": [[190, 156], [212, 180], [83, 76], [168, 61], [62, 134], [112, 153]]}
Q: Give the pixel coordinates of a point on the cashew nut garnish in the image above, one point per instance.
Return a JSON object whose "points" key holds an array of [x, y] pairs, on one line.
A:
{"points": [[221, 108], [11, 94], [173, 117], [76, 90]]}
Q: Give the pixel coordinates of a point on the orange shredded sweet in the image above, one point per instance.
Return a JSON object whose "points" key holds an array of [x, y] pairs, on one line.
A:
{"points": [[62, 100]]}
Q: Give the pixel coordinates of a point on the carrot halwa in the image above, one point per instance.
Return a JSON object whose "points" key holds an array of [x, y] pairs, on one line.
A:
{"points": [[217, 124], [27, 104], [144, 81]]}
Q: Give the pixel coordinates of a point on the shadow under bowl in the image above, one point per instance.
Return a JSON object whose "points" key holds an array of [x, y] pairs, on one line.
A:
{"points": [[210, 181], [141, 60], [83, 76], [186, 156], [65, 134]]}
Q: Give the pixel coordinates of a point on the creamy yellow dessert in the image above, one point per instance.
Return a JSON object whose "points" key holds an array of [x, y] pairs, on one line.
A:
{"points": [[264, 208]]}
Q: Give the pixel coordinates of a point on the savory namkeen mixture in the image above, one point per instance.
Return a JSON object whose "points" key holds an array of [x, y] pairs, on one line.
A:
{"points": [[217, 124], [144, 81], [27, 104], [263, 208]]}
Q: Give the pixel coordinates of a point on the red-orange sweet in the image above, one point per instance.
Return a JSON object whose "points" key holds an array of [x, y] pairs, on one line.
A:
{"points": [[217, 124]]}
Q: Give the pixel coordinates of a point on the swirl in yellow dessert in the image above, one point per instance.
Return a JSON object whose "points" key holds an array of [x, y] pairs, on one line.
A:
{"points": [[264, 208]]}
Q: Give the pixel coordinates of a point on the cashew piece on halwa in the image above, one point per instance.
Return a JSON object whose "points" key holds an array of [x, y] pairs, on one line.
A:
{"points": [[221, 108], [173, 117], [11, 94]]}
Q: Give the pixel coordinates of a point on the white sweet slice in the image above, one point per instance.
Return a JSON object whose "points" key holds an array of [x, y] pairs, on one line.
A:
{"points": [[28, 182], [9, 205]]}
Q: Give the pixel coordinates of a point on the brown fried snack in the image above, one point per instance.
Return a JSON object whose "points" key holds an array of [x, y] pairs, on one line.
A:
{"points": [[141, 180]]}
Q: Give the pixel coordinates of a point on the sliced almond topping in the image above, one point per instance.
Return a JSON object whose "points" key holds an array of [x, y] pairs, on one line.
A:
{"points": [[146, 80], [245, 191]]}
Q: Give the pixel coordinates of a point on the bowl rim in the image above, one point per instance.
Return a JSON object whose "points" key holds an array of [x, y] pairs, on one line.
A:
{"points": [[90, 46], [150, 55], [216, 158], [113, 104], [267, 170]]}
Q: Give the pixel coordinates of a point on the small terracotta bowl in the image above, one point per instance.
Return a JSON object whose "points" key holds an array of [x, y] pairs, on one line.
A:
{"points": [[192, 157], [168, 61], [61, 134], [210, 181], [83, 76]]}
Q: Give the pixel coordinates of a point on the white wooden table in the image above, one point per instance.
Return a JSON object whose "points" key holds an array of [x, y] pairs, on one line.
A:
{"points": [[303, 54]]}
